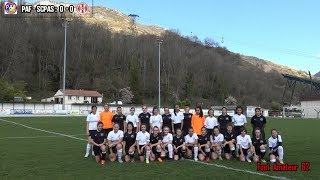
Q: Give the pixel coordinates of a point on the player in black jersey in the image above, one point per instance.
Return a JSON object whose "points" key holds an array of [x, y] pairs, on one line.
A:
{"points": [[258, 121], [229, 143], [186, 120], [178, 145], [119, 118], [224, 119], [129, 143], [155, 144], [204, 145], [99, 140], [260, 145], [144, 118], [166, 119]]}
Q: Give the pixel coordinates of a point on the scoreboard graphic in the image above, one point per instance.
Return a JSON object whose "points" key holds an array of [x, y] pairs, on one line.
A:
{"points": [[14, 9]]}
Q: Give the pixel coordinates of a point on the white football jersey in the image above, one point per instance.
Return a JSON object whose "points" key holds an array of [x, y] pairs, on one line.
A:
{"points": [[156, 121], [176, 119], [167, 138], [239, 120], [191, 139], [211, 122], [113, 137], [274, 141], [216, 139], [244, 141], [143, 138], [93, 120], [132, 118]]}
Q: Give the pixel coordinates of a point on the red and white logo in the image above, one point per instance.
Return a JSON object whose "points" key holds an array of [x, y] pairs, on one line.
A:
{"points": [[82, 8]]}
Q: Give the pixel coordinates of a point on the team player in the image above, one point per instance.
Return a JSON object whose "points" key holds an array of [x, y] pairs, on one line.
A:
{"points": [[210, 122], [155, 144], [120, 119], [191, 140], [259, 144], [166, 119], [245, 147], [229, 142], [239, 120], [99, 140], [197, 120], [224, 119], [179, 145], [133, 119], [155, 119], [115, 143], [92, 120], [106, 118], [166, 143], [129, 143], [217, 140], [144, 118], [186, 120], [275, 146], [177, 118], [258, 121], [143, 139], [204, 145]]}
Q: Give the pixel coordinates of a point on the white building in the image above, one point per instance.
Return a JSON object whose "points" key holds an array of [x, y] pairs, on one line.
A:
{"points": [[310, 106], [75, 96]]}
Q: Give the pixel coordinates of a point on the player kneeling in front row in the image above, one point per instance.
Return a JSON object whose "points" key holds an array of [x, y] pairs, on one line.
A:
{"points": [[155, 144], [259, 144], [204, 145], [115, 143], [129, 142], [179, 145], [143, 139], [166, 144], [216, 141], [275, 145], [244, 145], [229, 142], [191, 140], [99, 140]]}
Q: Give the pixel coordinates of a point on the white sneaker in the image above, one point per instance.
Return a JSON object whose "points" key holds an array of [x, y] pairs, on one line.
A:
{"points": [[93, 153], [86, 155], [120, 161], [195, 159], [248, 159]]}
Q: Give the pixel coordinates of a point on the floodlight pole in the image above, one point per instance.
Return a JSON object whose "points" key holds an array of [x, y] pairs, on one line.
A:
{"points": [[65, 25], [159, 80]]}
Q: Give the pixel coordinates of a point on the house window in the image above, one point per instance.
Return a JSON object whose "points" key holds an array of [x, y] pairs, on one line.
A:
{"points": [[94, 99], [78, 97]]}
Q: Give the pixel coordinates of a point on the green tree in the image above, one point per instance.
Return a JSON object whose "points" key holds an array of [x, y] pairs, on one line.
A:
{"points": [[8, 91], [135, 83]]}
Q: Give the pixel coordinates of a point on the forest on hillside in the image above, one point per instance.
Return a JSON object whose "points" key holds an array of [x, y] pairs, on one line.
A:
{"points": [[31, 53]]}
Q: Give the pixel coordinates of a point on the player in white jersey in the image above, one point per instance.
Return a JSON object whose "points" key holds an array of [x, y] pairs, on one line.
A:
{"points": [[167, 143], [92, 121], [191, 142], [239, 120], [210, 122], [155, 119], [115, 143], [143, 139], [275, 146], [134, 119], [216, 140], [177, 119], [245, 146]]}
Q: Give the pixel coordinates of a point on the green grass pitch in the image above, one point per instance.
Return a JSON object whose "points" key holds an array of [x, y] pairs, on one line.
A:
{"points": [[49, 156]]}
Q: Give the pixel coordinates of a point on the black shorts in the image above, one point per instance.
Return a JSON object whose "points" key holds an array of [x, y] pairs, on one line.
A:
{"points": [[107, 131], [176, 126], [179, 152], [203, 148], [127, 150], [227, 149], [114, 149], [190, 147], [237, 130], [154, 149], [144, 150], [91, 132], [245, 151], [275, 153], [97, 151]]}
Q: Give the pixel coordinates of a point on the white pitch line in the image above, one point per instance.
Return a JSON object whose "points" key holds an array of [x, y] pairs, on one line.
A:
{"points": [[200, 162], [34, 137], [240, 170], [51, 132]]}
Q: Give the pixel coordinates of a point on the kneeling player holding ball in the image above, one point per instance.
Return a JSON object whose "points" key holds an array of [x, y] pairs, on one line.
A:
{"points": [[191, 140], [244, 145], [275, 145], [259, 144], [166, 144], [129, 142], [143, 139], [115, 143], [179, 145], [99, 140]]}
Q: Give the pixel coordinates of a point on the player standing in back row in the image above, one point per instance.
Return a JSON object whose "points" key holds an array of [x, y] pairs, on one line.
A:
{"points": [[106, 118], [120, 119], [144, 118], [92, 121], [166, 119], [186, 120], [224, 119], [258, 121], [177, 118], [239, 120]]}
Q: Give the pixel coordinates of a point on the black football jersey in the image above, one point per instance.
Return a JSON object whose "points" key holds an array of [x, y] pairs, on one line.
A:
{"points": [[178, 141], [120, 119], [98, 137], [258, 142], [258, 121], [145, 118], [166, 120], [186, 121], [155, 139], [230, 136], [130, 139], [203, 139]]}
